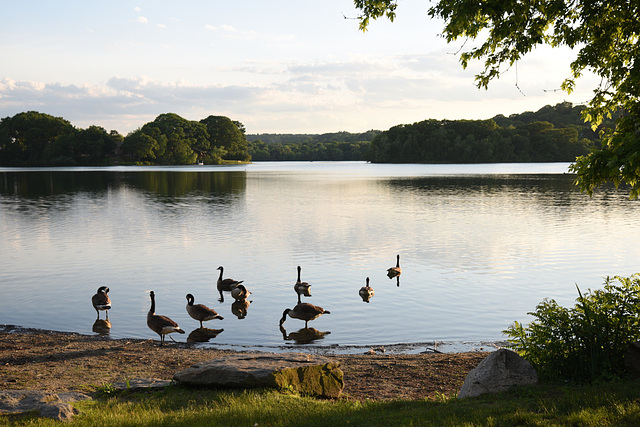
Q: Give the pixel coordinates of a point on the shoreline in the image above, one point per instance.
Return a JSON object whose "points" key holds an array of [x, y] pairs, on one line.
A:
{"points": [[446, 347], [35, 359]]}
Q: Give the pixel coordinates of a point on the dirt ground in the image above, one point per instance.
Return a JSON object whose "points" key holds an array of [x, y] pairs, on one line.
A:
{"points": [[54, 361]]}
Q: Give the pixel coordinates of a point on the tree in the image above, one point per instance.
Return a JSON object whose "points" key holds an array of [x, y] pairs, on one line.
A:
{"points": [[28, 139], [169, 139], [229, 135], [606, 38]]}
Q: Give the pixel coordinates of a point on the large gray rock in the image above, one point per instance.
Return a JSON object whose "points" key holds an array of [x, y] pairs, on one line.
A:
{"points": [[497, 372], [50, 405], [304, 373]]}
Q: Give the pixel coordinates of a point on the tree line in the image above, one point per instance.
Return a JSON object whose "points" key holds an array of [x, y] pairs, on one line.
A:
{"points": [[336, 146], [37, 139], [551, 134]]}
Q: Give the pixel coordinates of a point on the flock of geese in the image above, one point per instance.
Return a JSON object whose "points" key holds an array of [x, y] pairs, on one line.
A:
{"points": [[163, 325]]}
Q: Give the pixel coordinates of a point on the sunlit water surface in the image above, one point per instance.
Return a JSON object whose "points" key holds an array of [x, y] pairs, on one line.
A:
{"points": [[480, 246]]}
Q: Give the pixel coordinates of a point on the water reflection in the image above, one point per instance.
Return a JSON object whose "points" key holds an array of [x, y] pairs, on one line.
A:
{"points": [[240, 308], [36, 192], [203, 334], [304, 335], [478, 252], [101, 326], [168, 184]]}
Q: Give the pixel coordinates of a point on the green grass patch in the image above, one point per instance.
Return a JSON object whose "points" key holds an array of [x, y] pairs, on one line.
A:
{"points": [[611, 404]]}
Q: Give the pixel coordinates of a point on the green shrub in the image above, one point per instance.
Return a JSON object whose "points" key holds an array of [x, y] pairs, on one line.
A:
{"points": [[586, 342]]}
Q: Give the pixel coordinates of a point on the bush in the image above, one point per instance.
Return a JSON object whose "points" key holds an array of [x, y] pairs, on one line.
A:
{"points": [[586, 342]]}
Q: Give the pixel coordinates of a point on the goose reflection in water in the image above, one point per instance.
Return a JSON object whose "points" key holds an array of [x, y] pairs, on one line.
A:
{"points": [[304, 335], [203, 334], [102, 327], [240, 308]]}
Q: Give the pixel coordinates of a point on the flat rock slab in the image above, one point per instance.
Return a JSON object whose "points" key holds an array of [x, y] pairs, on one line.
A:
{"points": [[50, 405], [142, 383], [304, 373]]}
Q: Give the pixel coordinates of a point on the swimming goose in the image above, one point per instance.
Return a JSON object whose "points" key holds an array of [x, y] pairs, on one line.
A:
{"points": [[366, 292], [303, 311], [226, 284], [240, 293], [101, 301], [301, 288], [161, 325], [200, 312], [394, 271]]}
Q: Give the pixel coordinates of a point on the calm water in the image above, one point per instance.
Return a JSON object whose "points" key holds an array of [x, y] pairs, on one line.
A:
{"points": [[480, 246]]}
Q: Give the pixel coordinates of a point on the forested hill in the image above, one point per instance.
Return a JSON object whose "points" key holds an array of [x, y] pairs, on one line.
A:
{"points": [[335, 146], [552, 134]]}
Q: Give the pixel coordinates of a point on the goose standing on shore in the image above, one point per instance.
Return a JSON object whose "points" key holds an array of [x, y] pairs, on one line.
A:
{"points": [[225, 284], [161, 325], [101, 301], [304, 311], [200, 312], [301, 288]]}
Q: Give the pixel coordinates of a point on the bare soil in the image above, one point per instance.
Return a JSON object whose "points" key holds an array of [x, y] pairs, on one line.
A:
{"points": [[56, 362]]}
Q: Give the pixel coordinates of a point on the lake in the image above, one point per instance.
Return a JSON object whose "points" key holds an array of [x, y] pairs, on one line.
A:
{"points": [[480, 247]]}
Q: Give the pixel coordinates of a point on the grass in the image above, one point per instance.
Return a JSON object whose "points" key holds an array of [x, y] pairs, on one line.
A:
{"points": [[612, 404]]}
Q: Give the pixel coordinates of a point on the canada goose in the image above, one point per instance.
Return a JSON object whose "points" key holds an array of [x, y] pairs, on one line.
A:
{"points": [[395, 271], [101, 301], [366, 292], [301, 288], [226, 284], [200, 312], [161, 325], [303, 311], [240, 293]]}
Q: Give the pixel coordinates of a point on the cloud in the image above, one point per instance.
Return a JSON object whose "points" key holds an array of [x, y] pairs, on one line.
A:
{"points": [[356, 94], [142, 20]]}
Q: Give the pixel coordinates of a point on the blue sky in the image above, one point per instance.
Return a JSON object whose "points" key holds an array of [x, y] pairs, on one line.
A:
{"points": [[283, 66]]}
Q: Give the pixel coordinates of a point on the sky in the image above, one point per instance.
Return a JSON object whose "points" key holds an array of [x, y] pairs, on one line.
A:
{"points": [[282, 66]]}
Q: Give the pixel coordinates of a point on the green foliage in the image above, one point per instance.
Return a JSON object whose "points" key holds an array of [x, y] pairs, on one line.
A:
{"points": [[37, 139], [335, 146], [227, 135], [173, 140], [519, 138], [605, 36], [586, 342]]}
